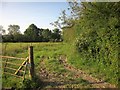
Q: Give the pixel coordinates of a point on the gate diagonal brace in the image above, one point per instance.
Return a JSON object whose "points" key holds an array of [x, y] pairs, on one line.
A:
{"points": [[21, 66]]}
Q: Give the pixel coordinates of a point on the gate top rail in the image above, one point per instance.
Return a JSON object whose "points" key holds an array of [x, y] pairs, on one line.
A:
{"points": [[12, 57]]}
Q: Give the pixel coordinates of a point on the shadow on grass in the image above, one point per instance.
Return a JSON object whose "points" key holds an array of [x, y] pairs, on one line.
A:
{"points": [[56, 84]]}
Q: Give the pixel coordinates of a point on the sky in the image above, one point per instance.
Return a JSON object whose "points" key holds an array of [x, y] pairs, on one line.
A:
{"points": [[25, 13]]}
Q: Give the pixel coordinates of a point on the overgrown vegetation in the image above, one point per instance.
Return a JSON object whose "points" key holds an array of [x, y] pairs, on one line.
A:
{"points": [[96, 42]]}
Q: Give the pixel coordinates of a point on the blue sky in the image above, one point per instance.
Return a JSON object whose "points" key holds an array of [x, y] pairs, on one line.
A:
{"points": [[26, 13]]}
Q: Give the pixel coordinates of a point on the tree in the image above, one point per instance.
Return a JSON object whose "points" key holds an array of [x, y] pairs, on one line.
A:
{"points": [[2, 31], [56, 35], [13, 29], [68, 21], [46, 33], [19, 38], [63, 21], [8, 38], [32, 33]]}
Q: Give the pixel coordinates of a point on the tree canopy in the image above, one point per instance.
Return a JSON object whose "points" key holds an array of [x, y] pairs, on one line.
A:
{"points": [[13, 29], [2, 31]]}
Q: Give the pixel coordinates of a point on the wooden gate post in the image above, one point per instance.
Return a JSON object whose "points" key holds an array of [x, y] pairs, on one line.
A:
{"points": [[31, 62]]}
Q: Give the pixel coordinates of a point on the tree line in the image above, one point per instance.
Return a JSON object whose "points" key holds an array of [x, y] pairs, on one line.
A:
{"points": [[31, 34]]}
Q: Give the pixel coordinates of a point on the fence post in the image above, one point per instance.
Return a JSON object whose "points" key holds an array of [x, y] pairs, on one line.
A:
{"points": [[31, 62]]}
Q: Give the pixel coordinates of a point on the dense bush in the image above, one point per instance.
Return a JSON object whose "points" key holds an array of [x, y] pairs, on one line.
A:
{"points": [[98, 40]]}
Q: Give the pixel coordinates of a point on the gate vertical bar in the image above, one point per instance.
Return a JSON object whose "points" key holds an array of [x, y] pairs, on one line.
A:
{"points": [[31, 62]]}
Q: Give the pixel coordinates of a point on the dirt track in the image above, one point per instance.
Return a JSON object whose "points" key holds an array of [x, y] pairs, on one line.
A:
{"points": [[79, 73], [59, 81]]}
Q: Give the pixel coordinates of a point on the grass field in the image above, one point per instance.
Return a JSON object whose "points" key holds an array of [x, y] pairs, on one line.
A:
{"points": [[50, 65], [51, 50]]}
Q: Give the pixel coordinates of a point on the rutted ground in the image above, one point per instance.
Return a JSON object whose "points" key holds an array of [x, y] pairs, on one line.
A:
{"points": [[60, 80], [79, 73], [72, 78]]}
